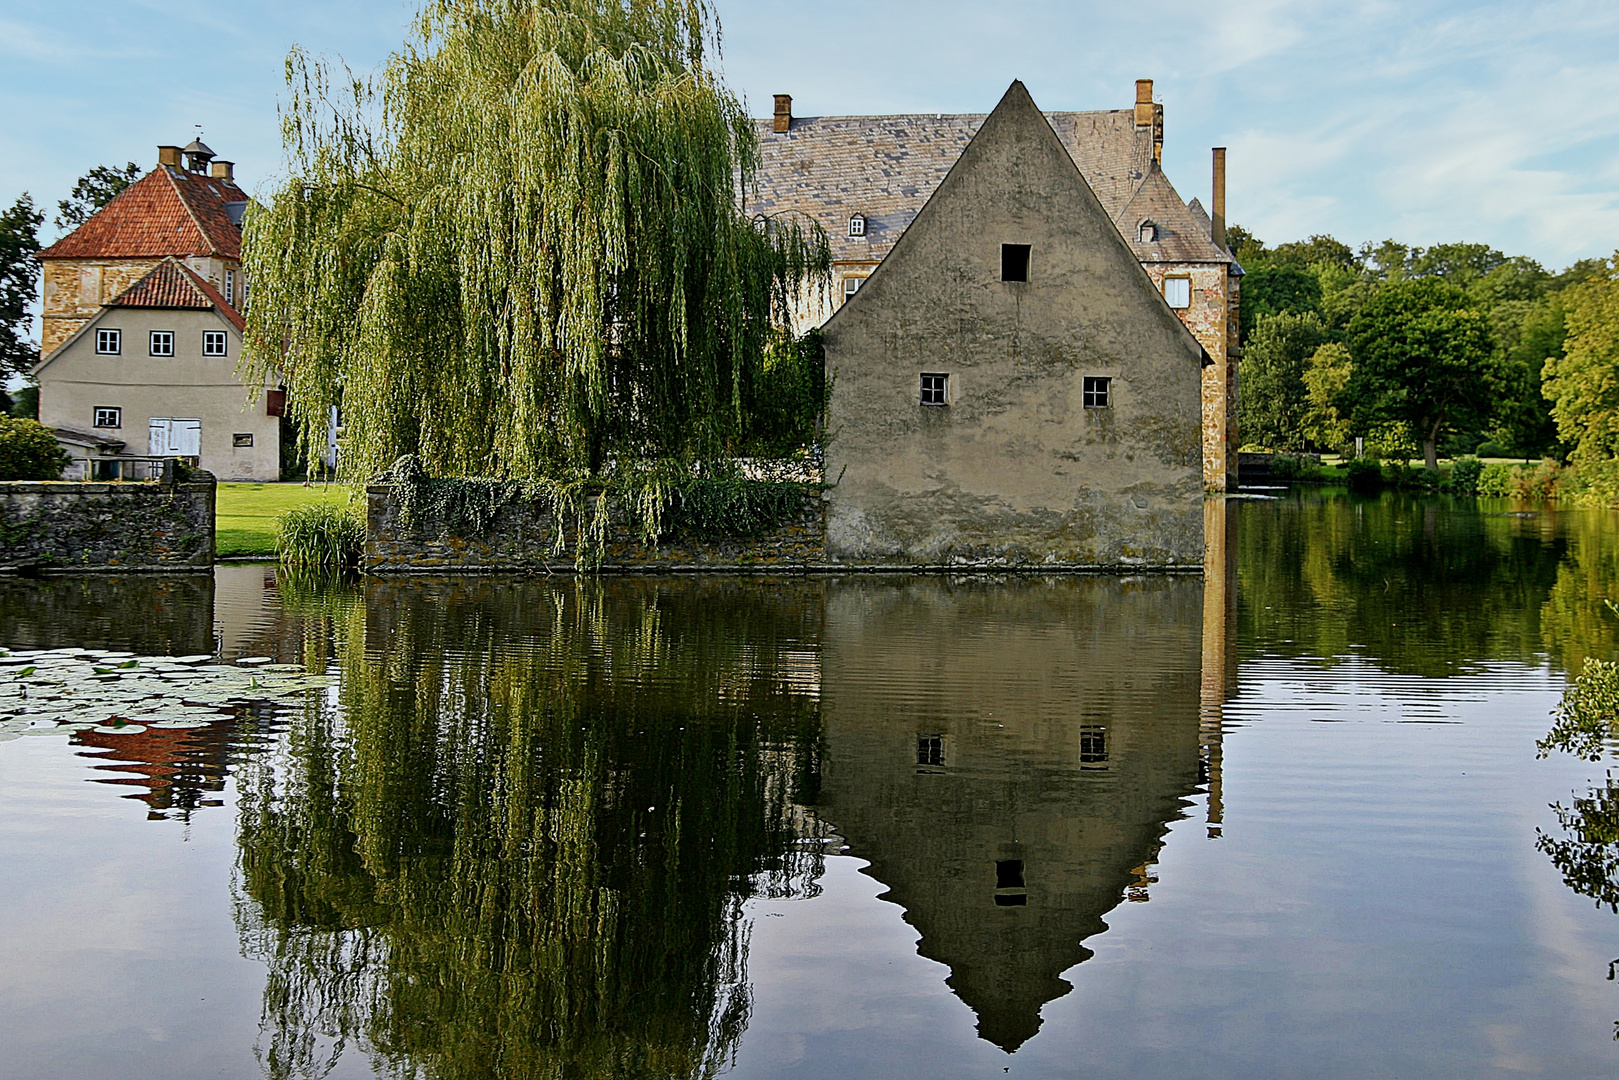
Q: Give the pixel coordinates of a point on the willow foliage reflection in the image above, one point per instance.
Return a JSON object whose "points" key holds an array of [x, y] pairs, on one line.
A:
{"points": [[521, 845]]}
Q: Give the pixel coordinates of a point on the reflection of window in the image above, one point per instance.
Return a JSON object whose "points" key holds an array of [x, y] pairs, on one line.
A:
{"points": [[1009, 884], [213, 343], [930, 750], [162, 343], [1097, 392], [1092, 745], [110, 342], [1014, 262], [106, 416], [934, 389], [1178, 292]]}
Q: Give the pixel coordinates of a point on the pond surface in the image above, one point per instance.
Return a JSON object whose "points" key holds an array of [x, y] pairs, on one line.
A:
{"points": [[1286, 819]]}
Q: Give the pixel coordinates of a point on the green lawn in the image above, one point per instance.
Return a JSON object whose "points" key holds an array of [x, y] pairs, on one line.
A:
{"points": [[244, 516]]}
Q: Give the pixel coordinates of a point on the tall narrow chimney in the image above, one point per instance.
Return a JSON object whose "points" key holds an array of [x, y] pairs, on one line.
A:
{"points": [[784, 112], [169, 155], [1218, 214], [1144, 112]]}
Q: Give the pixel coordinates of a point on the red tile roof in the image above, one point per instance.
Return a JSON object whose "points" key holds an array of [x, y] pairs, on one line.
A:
{"points": [[166, 212], [172, 284]]}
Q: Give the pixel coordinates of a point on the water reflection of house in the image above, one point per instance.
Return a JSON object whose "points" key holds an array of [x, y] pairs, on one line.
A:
{"points": [[148, 615], [175, 771], [1014, 787]]}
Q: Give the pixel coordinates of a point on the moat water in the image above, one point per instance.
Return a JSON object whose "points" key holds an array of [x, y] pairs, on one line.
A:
{"points": [[1284, 819]]}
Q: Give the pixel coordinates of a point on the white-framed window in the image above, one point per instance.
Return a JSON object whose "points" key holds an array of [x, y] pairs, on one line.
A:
{"points": [[857, 225], [1178, 291], [108, 416], [1092, 745], [109, 342], [162, 343], [851, 285], [230, 289], [935, 389], [213, 343], [1097, 392]]}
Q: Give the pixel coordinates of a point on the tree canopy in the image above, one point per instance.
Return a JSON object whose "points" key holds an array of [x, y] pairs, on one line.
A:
{"points": [[19, 284], [95, 189], [524, 248], [1420, 355], [1583, 384], [1272, 376]]}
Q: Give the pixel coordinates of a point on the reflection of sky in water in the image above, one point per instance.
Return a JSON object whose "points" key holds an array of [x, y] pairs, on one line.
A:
{"points": [[1367, 899]]}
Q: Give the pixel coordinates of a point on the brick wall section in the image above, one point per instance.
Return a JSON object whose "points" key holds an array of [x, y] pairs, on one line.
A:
{"points": [[100, 528], [520, 539], [75, 289], [1212, 319]]}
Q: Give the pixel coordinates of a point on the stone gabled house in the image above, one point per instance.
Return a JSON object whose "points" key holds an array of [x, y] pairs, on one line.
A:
{"points": [[866, 178], [1010, 385], [141, 328]]}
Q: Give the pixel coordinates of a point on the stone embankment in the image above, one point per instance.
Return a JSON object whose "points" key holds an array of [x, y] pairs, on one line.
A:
{"points": [[155, 526]]}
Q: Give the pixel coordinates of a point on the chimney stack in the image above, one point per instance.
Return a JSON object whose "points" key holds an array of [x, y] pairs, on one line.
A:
{"points": [[222, 170], [1144, 111], [784, 112], [169, 155], [1218, 214]]}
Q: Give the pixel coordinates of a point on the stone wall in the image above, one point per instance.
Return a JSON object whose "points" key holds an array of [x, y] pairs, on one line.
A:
{"points": [[521, 538], [165, 525]]}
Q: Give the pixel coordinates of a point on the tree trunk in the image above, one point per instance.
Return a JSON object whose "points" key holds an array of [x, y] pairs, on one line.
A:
{"points": [[1430, 449]]}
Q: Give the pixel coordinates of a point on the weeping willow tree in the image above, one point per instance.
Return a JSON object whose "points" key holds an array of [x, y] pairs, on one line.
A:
{"points": [[523, 250], [506, 858]]}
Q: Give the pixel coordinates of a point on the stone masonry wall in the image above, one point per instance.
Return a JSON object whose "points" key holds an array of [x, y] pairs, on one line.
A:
{"points": [[75, 289], [520, 538], [113, 527]]}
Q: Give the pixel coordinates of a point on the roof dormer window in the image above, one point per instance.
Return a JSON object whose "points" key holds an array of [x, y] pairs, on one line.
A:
{"points": [[857, 225], [1148, 231]]}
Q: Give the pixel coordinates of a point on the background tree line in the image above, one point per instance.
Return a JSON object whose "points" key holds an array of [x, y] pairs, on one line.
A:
{"points": [[1453, 349]]}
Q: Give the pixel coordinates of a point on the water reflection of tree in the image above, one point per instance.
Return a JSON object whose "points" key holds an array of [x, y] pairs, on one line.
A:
{"points": [[521, 847], [1419, 585]]}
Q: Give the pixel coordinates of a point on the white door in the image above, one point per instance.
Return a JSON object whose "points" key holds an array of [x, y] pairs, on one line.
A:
{"points": [[169, 437]]}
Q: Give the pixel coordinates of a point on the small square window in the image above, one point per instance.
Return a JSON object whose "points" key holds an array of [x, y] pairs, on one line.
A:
{"points": [[162, 343], [857, 225], [1148, 232], [110, 342], [1092, 745], [213, 343], [930, 750], [1011, 899], [1014, 262], [1178, 292], [1097, 392], [107, 416], [1009, 874], [935, 389], [851, 285], [242, 439]]}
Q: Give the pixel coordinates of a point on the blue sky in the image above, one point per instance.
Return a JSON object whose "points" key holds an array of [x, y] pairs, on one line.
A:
{"points": [[1422, 120]]}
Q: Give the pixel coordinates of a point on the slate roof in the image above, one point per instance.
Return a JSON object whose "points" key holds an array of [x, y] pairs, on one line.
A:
{"points": [[886, 167], [168, 211], [172, 284]]}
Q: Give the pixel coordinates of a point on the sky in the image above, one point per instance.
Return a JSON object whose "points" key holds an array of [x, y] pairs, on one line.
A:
{"points": [[1423, 120]]}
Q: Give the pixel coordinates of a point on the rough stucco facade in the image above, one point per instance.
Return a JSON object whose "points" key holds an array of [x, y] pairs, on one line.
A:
{"points": [[1013, 469]]}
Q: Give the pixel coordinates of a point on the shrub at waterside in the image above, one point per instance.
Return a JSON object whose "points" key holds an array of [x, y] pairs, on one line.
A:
{"points": [[28, 451], [323, 536], [1464, 476], [526, 250]]}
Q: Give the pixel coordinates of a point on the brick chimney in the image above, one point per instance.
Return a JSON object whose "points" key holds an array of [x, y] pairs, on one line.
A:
{"points": [[784, 112], [169, 155], [222, 170], [1218, 213], [1150, 115]]}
